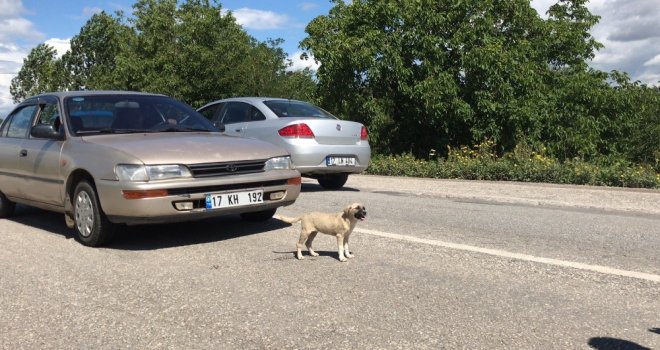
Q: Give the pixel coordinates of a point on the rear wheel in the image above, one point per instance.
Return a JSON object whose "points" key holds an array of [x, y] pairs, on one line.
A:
{"points": [[92, 226], [6, 206], [333, 181], [259, 215]]}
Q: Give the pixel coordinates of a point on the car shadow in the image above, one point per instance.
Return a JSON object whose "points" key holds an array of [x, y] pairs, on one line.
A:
{"points": [[41, 219], [156, 236], [159, 236], [311, 187]]}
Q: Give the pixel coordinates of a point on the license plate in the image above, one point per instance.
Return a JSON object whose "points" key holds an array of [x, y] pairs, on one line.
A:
{"points": [[340, 161], [234, 199]]}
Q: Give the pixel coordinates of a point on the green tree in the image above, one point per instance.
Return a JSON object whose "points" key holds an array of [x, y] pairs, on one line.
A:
{"points": [[191, 50], [91, 60], [195, 52], [42, 71], [426, 74]]}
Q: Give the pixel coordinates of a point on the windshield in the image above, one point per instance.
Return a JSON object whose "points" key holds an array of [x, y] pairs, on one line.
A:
{"points": [[297, 109], [95, 114]]}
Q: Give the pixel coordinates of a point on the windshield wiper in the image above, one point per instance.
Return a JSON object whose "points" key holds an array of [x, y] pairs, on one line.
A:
{"points": [[119, 131], [176, 128]]}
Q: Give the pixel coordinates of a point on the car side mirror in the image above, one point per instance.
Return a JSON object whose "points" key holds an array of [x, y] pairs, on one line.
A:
{"points": [[219, 126], [45, 131]]}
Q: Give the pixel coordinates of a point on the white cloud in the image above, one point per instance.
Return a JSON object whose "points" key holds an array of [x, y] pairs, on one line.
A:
{"points": [[298, 63], [630, 32], [90, 11], [259, 19], [308, 6], [655, 61], [11, 8], [17, 28], [14, 30], [60, 45]]}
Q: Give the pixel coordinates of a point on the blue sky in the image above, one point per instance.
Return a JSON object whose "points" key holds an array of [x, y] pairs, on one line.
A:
{"points": [[630, 30]]}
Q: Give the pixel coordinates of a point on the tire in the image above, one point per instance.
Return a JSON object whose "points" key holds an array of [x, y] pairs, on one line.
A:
{"points": [[6, 206], [258, 216], [91, 225], [333, 181]]}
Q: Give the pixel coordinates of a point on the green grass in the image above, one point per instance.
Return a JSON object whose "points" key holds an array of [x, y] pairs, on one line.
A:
{"points": [[524, 165]]}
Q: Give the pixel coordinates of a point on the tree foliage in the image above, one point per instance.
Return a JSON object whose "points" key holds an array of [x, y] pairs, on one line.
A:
{"points": [[192, 50], [428, 74], [421, 74], [41, 71]]}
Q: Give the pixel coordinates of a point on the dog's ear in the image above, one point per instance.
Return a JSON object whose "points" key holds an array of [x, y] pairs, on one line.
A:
{"points": [[347, 212]]}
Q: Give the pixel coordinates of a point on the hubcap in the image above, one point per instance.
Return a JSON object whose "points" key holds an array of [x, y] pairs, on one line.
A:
{"points": [[84, 213]]}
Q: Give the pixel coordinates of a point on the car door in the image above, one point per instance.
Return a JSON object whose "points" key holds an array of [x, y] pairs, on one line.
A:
{"points": [[40, 159], [235, 116], [13, 134]]}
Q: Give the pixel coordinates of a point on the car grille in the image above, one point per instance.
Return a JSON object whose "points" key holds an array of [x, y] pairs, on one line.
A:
{"points": [[227, 168], [222, 188]]}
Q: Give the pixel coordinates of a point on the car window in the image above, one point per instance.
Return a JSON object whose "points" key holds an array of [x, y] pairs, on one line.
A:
{"points": [[20, 122], [297, 109], [256, 115], [132, 113], [210, 111], [236, 112]]}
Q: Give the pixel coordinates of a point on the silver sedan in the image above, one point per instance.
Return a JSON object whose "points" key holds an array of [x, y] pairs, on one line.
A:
{"points": [[321, 146]]}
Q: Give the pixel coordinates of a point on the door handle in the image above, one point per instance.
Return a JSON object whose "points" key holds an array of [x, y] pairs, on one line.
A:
{"points": [[23, 153]]}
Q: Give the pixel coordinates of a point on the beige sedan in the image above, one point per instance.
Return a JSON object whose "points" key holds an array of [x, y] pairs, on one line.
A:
{"points": [[105, 158]]}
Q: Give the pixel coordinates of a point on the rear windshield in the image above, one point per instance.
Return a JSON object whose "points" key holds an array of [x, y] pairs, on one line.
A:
{"points": [[297, 109], [132, 113]]}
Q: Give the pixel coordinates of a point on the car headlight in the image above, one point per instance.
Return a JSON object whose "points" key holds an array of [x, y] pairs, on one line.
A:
{"points": [[136, 172], [279, 163]]}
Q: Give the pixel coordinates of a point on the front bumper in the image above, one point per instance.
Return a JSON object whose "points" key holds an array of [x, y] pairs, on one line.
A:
{"points": [[163, 209]]}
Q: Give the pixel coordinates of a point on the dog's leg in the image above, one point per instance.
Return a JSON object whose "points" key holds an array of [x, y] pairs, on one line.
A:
{"points": [[301, 243], [340, 248], [310, 239], [347, 253]]}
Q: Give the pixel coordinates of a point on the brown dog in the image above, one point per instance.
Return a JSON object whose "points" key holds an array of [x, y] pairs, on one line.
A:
{"points": [[339, 225]]}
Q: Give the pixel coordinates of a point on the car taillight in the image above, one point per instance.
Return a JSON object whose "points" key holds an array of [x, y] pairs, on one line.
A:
{"points": [[297, 131], [364, 134]]}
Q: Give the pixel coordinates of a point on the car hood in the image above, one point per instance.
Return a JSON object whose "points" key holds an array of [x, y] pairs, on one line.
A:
{"points": [[187, 148]]}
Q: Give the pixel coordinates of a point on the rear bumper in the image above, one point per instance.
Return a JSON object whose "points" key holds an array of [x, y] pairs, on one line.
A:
{"points": [[309, 157]]}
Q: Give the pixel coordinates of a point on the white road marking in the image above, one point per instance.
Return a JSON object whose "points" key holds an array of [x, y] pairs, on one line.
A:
{"points": [[525, 257]]}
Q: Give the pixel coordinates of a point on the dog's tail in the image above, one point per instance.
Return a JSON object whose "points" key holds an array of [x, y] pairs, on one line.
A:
{"points": [[287, 219]]}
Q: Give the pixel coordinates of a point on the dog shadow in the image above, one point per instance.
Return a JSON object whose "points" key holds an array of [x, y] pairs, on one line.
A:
{"points": [[153, 236], [286, 255], [606, 343]]}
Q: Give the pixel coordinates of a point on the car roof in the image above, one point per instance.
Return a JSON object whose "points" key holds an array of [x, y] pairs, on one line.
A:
{"points": [[64, 94], [256, 99]]}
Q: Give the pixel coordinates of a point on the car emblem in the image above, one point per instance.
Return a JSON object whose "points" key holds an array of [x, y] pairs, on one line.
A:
{"points": [[338, 127], [231, 168]]}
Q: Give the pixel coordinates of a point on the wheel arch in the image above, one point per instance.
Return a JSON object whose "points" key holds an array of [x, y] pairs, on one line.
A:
{"points": [[74, 178]]}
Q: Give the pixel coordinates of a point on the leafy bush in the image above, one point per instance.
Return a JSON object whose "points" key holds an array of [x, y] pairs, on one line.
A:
{"points": [[523, 164]]}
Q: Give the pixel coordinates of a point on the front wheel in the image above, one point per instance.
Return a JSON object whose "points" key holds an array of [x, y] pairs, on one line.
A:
{"points": [[258, 215], [6, 206], [333, 181], [92, 226]]}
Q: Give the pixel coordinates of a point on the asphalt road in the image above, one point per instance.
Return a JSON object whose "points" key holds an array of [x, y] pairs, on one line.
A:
{"points": [[439, 264]]}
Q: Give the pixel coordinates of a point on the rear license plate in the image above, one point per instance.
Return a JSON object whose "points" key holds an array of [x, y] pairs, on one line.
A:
{"points": [[235, 199], [339, 161]]}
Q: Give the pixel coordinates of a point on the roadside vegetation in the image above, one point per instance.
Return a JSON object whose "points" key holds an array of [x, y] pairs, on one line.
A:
{"points": [[523, 164], [421, 75]]}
